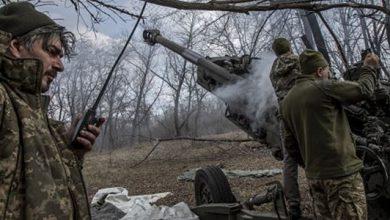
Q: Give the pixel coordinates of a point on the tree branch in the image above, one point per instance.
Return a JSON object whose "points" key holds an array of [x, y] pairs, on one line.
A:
{"points": [[187, 138], [246, 8], [339, 48], [115, 8]]}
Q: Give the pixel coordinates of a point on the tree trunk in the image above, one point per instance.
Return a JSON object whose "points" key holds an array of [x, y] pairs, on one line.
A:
{"points": [[318, 37], [176, 111], [307, 29], [346, 39]]}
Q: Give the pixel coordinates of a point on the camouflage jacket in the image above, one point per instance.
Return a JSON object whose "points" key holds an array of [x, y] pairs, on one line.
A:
{"points": [[40, 178], [285, 70]]}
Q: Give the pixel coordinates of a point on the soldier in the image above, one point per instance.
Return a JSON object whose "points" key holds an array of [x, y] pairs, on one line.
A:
{"points": [[378, 104], [319, 137], [352, 73], [40, 172], [285, 70]]}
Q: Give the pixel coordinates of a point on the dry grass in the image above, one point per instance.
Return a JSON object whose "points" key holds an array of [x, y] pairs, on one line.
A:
{"points": [[170, 159]]}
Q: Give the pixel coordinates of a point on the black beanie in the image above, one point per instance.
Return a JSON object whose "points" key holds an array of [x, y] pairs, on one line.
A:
{"points": [[19, 18]]}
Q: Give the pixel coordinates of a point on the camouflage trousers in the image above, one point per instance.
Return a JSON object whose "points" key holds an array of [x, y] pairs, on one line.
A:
{"points": [[290, 180], [290, 175], [339, 198]]}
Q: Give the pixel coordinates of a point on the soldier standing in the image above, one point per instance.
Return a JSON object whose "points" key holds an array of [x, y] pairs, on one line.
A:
{"points": [[285, 70], [378, 104], [352, 74], [40, 172], [316, 124]]}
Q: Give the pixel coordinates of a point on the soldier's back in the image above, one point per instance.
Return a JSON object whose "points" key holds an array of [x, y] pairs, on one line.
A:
{"points": [[284, 72]]}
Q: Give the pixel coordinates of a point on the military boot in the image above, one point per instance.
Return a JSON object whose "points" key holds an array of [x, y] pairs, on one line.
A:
{"points": [[294, 211]]}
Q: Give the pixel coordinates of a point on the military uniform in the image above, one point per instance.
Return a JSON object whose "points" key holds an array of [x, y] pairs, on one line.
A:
{"points": [[339, 198], [316, 124], [40, 177], [284, 72], [378, 104]]}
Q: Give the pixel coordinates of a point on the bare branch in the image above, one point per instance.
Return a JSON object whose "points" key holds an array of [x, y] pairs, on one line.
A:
{"points": [[340, 49], [211, 6], [258, 33], [191, 139], [115, 8], [232, 1]]}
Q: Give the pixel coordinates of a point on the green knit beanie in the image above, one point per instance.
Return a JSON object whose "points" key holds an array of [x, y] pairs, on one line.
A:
{"points": [[311, 60], [19, 18], [281, 46]]}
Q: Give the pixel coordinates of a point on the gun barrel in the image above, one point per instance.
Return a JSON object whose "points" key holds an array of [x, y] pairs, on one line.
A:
{"points": [[219, 73]]}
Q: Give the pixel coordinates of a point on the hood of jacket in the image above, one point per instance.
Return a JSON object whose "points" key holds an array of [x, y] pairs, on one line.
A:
{"points": [[24, 75]]}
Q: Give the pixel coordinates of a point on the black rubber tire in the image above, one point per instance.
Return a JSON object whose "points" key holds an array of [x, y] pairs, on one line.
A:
{"points": [[213, 182], [379, 178]]}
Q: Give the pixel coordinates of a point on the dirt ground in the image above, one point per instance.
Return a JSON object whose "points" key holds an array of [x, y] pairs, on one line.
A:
{"points": [[160, 171]]}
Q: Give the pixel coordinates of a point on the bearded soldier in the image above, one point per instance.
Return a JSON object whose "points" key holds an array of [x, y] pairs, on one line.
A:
{"points": [[318, 135], [285, 70], [40, 171]]}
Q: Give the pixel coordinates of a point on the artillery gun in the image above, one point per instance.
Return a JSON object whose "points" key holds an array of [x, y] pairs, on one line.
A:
{"points": [[371, 130], [212, 191], [215, 72], [370, 125]]}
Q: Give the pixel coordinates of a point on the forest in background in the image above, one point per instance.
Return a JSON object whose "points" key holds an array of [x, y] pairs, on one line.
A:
{"points": [[153, 93]]}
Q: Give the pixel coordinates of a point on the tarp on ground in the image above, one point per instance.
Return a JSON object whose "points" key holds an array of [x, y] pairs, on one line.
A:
{"points": [[115, 203]]}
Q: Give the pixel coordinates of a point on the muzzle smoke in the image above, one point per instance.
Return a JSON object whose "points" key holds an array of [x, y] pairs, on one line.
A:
{"points": [[255, 97]]}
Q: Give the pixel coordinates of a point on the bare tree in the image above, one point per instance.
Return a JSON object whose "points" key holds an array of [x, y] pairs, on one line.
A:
{"points": [[245, 6], [154, 92], [142, 83]]}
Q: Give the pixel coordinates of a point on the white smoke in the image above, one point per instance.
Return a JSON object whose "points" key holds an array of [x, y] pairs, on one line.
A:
{"points": [[257, 92]]}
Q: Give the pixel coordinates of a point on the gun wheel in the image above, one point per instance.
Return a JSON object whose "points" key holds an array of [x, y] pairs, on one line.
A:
{"points": [[374, 172], [212, 186]]}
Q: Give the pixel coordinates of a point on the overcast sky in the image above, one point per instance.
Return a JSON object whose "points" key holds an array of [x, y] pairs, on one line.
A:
{"points": [[65, 15]]}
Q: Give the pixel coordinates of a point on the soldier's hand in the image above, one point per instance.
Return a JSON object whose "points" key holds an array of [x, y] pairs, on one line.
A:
{"points": [[87, 137], [371, 60]]}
